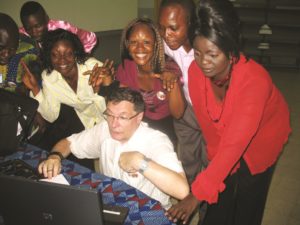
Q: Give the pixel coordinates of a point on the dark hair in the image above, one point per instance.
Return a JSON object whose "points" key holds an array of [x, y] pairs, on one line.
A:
{"points": [[10, 26], [158, 59], [30, 8], [127, 94], [53, 37], [189, 7], [219, 23]]}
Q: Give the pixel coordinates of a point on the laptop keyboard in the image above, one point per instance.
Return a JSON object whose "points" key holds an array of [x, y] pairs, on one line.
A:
{"points": [[19, 168]]}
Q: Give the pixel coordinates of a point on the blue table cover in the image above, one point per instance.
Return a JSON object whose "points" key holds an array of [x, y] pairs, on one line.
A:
{"points": [[142, 209]]}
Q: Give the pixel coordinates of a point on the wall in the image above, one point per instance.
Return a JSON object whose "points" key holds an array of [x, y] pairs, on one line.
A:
{"points": [[94, 15], [146, 9]]}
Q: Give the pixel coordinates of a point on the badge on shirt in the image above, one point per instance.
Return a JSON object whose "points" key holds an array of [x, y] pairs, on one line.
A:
{"points": [[161, 95]]}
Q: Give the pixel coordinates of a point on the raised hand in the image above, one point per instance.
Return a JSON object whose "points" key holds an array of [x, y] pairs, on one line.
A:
{"points": [[29, 80], [101, 75], [183, 209]]}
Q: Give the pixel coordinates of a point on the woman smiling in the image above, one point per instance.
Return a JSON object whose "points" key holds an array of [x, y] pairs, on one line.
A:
{"points": [[145, 69], [68, 100]]}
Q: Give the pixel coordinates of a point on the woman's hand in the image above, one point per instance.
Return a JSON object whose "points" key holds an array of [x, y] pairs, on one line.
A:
{"points": [[168, 79], [29, 80], [175, 96], [101, 75], [183, 209]]}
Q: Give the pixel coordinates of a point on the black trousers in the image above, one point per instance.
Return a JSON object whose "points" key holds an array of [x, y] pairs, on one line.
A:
{"points": [[243, 200], [66, 124]]}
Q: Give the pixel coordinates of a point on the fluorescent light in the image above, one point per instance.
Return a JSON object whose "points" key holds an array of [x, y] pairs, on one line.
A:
{"points": [[263, 46], [265, 30]]}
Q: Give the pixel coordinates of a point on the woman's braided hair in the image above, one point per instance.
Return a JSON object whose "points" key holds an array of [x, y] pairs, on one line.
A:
{"points": [[158, 59]]}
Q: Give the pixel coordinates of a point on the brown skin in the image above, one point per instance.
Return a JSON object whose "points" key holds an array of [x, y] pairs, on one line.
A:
{"points": [[141, 48], [173, 26], [214, 64], [36, 25], [63, 60], [184, 209], [101, 76], [8, 46], [29, 80]]}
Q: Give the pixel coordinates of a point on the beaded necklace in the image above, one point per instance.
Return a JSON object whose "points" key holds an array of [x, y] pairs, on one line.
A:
{"points": [[219, 83]]}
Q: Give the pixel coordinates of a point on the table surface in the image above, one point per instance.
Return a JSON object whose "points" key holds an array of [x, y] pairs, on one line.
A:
{"points": [[142, 209]]}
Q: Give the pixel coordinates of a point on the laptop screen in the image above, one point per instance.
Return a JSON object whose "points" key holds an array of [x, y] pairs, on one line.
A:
{"points": [[25, 201]]}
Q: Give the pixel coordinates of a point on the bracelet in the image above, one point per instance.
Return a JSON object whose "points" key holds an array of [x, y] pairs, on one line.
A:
{"points": [[58, 154]]}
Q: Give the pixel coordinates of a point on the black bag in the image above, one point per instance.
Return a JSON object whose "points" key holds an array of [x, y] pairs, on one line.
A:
{"points": [[15, 109]]}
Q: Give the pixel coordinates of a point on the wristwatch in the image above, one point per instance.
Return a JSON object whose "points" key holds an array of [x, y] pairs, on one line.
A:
{"points": [[58, 154], [144, 165]]}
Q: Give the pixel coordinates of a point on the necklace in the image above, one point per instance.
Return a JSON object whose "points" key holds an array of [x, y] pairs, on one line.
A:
{"points": [[221, 83], [212, 118]]}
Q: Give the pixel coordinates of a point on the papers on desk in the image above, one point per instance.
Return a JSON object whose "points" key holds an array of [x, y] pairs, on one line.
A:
{"points": [[59, 179]]}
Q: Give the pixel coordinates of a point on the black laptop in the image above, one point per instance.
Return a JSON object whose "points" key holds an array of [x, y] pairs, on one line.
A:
{"points": [[29, 201]]}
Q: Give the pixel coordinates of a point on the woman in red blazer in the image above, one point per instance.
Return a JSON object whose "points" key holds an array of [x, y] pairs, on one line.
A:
{"points": [[244, 119]]}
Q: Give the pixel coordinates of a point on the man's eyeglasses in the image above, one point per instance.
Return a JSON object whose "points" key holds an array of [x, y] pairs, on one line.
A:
{"points": [[121, 119]]}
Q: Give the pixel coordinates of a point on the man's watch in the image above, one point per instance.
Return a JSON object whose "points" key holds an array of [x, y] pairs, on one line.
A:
{"points": [[144, 164], [58, 154]]}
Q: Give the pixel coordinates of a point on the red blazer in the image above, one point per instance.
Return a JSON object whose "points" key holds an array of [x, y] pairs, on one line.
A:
{"points": [[253, 124]]}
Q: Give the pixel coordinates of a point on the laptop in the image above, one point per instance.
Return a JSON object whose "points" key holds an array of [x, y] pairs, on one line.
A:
{"points": [[28, 201]]}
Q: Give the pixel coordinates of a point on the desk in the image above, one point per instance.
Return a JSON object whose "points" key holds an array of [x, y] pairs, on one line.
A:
{"points": [[142, 209]]}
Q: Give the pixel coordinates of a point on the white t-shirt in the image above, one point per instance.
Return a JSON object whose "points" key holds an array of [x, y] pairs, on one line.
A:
{"points": [[184, 60], [97, 142]]}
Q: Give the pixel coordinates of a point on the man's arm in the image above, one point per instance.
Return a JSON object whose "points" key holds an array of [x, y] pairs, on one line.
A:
{"points": [[162, 177], [52, 165]]}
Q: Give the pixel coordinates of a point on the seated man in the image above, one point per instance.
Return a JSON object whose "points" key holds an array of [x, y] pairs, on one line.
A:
{"points": [[128, 150], [36, 23], [12, 51]]}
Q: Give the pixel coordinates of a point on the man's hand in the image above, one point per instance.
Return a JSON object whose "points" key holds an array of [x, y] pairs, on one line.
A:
{"points": [[130, 162], [50, 167], [29, 80], [101, 75], [183, 209]]}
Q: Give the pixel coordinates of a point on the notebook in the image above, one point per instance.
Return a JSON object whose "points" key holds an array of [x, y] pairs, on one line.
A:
{"points": [[27, 201]]}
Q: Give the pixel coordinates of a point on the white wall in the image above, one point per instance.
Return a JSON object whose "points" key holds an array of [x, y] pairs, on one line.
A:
{"points": [[94, 15]]}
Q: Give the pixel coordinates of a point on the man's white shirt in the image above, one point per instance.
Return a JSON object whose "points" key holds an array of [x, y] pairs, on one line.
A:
{"points": [[97, 143]]}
